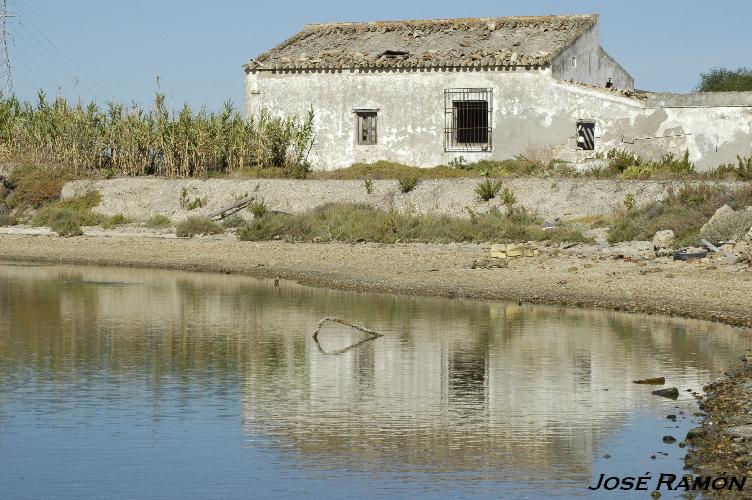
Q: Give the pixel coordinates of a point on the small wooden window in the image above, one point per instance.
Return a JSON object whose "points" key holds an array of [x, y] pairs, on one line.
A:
{"points": [[366, 127]]}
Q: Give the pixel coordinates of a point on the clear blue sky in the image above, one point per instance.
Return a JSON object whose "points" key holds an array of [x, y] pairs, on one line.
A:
{"points": [[115, 50]]}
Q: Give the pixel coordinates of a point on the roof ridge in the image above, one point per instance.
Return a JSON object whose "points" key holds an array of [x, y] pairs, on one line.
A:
{"points": [[344, 24], [488, 41]]}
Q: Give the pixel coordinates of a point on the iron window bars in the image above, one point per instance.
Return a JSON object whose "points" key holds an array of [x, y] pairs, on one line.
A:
{"points": [[468, 119], [586, 135]]}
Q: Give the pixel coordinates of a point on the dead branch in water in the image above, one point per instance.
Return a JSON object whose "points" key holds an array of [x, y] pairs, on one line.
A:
{"points": [[372, 335]]}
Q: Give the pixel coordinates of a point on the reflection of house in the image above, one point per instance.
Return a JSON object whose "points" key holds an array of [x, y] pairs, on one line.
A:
{"points": [[427, 92], [460, 383]]}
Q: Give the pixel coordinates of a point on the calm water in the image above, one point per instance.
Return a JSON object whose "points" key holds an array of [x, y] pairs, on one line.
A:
{"points": [[141, 384]]}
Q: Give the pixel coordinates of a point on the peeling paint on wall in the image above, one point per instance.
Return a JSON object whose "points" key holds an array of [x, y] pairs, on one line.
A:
{"points": [[531, 109]]}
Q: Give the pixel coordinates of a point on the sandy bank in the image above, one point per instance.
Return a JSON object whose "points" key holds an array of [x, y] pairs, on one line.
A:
{"points": [[701, 291]]}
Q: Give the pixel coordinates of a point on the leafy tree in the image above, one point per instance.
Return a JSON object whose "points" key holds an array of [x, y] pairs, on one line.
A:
{"points": [[726, 80]]}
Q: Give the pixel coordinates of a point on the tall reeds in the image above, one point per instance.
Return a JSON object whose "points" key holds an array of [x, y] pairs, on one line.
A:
{"points": [[130, 141]]}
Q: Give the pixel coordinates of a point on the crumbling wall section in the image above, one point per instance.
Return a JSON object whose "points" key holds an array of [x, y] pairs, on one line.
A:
{"points": [[586, 62]]}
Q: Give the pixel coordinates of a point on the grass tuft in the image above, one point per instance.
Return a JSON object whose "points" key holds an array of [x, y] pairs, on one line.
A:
{"points": [[197, 226], [158, 221]]}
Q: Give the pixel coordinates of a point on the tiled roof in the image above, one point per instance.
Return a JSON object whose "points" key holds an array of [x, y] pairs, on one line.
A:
{"points": [[501, 41]]}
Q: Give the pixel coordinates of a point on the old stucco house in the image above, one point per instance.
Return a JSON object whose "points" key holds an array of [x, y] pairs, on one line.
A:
{"points": [[426, 92]]}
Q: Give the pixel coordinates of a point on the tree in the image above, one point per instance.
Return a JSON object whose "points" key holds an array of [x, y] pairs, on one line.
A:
{"points": [[726, 80]]}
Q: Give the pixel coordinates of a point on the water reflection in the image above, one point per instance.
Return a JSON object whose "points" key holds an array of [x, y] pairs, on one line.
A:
{"points": [[455, 389]]}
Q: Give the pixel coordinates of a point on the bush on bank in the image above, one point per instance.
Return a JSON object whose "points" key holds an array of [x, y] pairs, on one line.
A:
{"points": [[684, 212], [354, 223]]}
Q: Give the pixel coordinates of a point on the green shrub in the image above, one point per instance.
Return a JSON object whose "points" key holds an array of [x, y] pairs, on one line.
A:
{"points": [[191, 204], [115, 220], [233, 221], [158, 221], [742, 170], [7, 220], [488, 189], [65, 222], [354, 222], [407, 184], [630, 202], [258, 209], [80, 205], [368, 185], [732, 227], [195, 226], [508, 198]]}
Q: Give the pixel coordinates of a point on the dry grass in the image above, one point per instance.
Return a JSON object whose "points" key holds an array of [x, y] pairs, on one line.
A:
{"points": [[684, 212], [353, 223], [34, 186]]}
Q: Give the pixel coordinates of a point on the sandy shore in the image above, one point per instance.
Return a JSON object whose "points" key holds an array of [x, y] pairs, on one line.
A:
{"points": [[699, 290]]}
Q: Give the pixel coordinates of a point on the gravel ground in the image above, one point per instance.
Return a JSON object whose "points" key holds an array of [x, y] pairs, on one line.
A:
{"points": [[703, 290]]}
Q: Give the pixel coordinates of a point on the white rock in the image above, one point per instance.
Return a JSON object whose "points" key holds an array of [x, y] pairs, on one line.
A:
{"points": [[664, 240], [719, 214]]}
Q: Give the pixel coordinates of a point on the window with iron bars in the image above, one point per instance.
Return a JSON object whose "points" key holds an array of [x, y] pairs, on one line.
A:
{"points": [[586, 135], [467, 119]]}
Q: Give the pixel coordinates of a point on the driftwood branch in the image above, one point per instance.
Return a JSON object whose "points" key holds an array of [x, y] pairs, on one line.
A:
{"points": [[231, 209], [372, 335]]}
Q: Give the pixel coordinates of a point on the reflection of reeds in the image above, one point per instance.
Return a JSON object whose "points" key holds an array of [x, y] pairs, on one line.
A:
{"points": [[128, 141]]}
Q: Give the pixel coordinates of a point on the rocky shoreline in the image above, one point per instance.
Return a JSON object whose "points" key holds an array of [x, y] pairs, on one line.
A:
{"points": [[713, 288], [722, 445]]}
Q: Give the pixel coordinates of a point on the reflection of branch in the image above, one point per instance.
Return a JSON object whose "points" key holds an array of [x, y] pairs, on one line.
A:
{"points": [[372, 335]]}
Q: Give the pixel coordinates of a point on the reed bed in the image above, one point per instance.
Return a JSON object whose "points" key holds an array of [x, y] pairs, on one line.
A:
{"points": [[127, 140]]}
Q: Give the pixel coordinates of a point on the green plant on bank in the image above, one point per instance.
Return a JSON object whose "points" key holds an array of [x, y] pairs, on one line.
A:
{"points": [[128, 140], [80, 206], [354, 222], [191, 204], [8, 220], [197, 226], [742, 170], [684, 211], [158, 221], [258, 208], [115, 220], [630, 202], [368, 183], [732, 227], [628, 165], [488, 189], [233, 221], [508, 198], [407, 184], [65, 222]]}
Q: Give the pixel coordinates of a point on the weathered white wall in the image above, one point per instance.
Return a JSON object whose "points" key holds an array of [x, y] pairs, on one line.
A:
{"points": [[531, 110], [594, 66]]}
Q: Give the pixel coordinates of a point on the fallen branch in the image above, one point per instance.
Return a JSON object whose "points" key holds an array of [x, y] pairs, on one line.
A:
{"points": [[363, 329]]}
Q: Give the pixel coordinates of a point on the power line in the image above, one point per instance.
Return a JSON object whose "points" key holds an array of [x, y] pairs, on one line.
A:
{"points": [[25, 18], [39, 48], [4, 14]]}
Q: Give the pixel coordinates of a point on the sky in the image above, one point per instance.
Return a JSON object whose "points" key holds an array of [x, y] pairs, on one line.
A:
{"points": [[118, 50]]}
